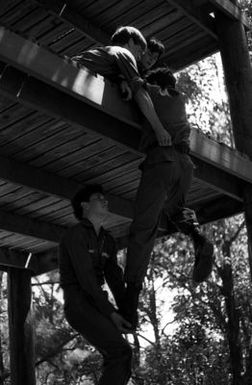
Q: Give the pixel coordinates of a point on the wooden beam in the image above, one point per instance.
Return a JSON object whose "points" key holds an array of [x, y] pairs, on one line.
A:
{"points": [[31, 227], [202, 148], [63, 10], [53, 70], [248, 218], [102, 101], [220, 208], [231, 10], [196, 15], [223, 182], [39, 180], [238, 75], [17, 259], [101, 109], [238, 78], [21, 331], [220, 156]]}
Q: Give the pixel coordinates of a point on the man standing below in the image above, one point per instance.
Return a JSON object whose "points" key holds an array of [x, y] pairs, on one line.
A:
{"points": [[87, 258]]}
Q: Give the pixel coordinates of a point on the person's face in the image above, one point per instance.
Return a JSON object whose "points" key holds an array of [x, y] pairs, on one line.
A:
{"points": [[149, 59], [136, 50], [98, 204]]}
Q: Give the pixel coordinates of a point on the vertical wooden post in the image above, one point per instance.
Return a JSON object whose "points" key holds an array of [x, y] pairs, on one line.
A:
{"points": [[20, 327], [238, 76]]}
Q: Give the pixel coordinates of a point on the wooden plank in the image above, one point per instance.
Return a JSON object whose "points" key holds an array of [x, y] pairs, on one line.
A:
{"points": [[204, 21], [201, 146], [210, 174], [48, 183], [7, 6], [194, 53], [90, 164], [22, 351], [180, 44], [169, 20], [74, 49], [204, 145], [67, 41], [49, 36], [17, 11], [52, 69], [65, 12], [108, 169], [70, 148], [27, 226], [27, 132], [33, 17], [54, 142]]}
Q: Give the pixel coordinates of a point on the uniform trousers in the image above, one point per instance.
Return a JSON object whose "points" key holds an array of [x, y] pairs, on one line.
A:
{"points": [[100, 332], [163, 186]]}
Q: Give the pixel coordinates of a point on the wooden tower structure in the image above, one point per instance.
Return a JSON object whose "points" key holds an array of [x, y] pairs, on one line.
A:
{"points": [[62, 127]]}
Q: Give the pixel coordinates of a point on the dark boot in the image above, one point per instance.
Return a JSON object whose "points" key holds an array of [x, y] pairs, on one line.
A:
{"points": [[186, 222], [204, 258], [129, 307]]}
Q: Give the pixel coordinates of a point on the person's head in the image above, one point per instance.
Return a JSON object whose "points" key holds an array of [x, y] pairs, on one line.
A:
{"points": [[155, 48], [130, 38], [90, 201], [163, 77]]}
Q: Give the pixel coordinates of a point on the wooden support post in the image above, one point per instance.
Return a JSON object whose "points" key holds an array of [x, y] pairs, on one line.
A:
{"points": [[238, 75], [22, 360], [248, 218]]}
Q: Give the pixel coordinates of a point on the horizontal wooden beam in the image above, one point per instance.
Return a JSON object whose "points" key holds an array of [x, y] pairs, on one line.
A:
{"points": [[39, 263], [231, 10], [38, 179], [98, 95], [223, 182], [93, 103], [43, 181], [196, 15], [59, 73], [14, 258], [63, 10], [30, 227], [220, 156]]}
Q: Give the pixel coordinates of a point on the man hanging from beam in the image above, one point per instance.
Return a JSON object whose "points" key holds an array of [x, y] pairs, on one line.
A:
{"points": [[166, 179], [87, 257]]}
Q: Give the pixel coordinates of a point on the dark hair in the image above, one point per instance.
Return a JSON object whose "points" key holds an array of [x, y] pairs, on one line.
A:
{"points": [[123, 34], [84, 195], [155, 45], [162, 76]]}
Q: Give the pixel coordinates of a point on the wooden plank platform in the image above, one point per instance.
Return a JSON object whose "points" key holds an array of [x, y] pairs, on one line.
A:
{"points": [[77, 130]]}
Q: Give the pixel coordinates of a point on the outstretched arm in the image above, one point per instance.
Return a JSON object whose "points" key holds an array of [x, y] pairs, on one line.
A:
{"points": [[146, 106]]}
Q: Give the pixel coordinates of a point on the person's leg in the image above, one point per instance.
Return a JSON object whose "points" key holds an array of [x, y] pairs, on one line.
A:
{"points": [[185, 221], [103, 335], [149, 203]]}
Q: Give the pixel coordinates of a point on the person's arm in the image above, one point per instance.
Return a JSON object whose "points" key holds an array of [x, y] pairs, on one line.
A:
{"points": [[76, 245], [129, 70], [145, 104], [114, 274]]}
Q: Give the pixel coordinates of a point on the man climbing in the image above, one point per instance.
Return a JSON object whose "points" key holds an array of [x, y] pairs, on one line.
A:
{"points": [[166, 178]]}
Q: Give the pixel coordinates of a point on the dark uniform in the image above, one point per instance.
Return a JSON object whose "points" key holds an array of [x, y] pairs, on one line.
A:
{"points": [[166, 178], [112, 62], [86, 261]]}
